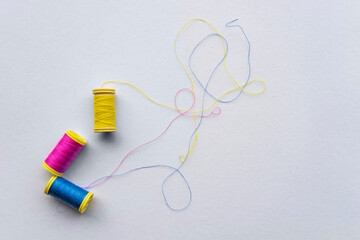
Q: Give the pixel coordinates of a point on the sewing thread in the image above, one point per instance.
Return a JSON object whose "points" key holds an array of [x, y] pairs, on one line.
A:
{"points": [[104, 110], [68, 193], [64, 153], [183, 112]]}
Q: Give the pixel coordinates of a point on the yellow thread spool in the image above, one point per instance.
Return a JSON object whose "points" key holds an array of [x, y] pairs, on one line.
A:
{"points": [[104, 110]]}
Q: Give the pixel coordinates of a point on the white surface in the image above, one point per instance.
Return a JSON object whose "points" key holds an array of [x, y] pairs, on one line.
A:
{"points": [[282, 165]]}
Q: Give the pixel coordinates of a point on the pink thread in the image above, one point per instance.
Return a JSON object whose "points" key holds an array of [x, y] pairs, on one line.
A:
{"points": [[63, 154], [215, 111]]}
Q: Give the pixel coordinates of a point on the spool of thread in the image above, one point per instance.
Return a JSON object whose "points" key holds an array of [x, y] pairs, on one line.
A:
{"points": [[64, 153], [104, 110], [68, 193]]}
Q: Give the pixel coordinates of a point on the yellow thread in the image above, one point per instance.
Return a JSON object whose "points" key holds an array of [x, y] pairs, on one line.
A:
{"points": [[104, 110], [183, 110], [192, 85]]}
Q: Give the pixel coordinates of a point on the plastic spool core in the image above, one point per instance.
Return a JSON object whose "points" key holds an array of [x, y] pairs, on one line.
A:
{"points": [[104, 91], [76, 137], [85, 203], [52, 171], [48, 185]]}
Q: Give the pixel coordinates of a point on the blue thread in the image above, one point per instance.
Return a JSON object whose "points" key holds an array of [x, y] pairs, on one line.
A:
{"points": [[205, 91], [249, 63], [177, 169], [201, 118], [207, 84], [212, 73], [67, 192], [163, 193]]}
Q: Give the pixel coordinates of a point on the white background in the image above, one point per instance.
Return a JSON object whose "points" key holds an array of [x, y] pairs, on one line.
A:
{"points": [[281, 165]]}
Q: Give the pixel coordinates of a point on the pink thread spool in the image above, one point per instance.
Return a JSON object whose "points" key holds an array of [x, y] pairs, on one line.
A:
{"points": [[64, 153]]}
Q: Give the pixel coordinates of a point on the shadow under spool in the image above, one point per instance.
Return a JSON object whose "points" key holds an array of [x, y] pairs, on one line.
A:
{"points": [[104, 110]]}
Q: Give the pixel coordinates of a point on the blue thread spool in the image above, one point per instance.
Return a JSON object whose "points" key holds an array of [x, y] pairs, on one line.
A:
{"points": [[68, 193]]}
